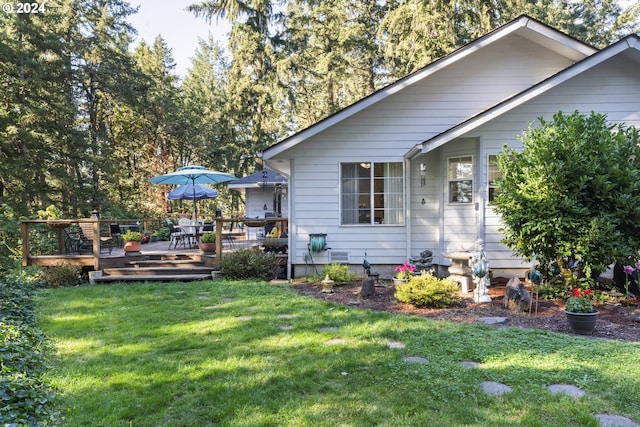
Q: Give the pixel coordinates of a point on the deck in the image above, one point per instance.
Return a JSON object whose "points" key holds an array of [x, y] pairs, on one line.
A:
{"points": [[45, 243]]}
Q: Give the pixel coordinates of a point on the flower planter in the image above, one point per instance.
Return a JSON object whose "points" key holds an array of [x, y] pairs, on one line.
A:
{"points": [[132, 246], [582, 323], [397, 281], [207, 248]]}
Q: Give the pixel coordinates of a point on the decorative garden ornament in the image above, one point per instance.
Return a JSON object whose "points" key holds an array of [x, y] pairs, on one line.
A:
{"points": [[480, 272]]}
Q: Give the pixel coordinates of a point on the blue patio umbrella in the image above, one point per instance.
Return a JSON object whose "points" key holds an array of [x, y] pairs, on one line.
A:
{"points": [[192, 192], [193, 174]]}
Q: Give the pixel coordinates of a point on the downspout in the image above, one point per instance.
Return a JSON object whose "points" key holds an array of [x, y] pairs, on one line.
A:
{"points": [[481, 192], [407, 201], [293, 232]]}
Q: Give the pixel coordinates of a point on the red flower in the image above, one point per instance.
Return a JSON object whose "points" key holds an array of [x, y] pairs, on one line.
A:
{"points": [[576, 292], [587, 292]]}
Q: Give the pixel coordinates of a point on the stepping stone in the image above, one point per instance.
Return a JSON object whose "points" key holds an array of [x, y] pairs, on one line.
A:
{"points": [[470, 365], [212, 307], [202, 297], [571, 390], [253, 308], [395, 344], [244, 317], [496, 389], [336, 341], [493, 320], [286, 327], [226, 299], [286, 316], [328, 329], [415, 359], [607, 420]]}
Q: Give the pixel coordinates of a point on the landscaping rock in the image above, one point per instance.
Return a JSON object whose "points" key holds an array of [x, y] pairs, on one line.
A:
{"points": [[494, 388], [470, 365], [493, 320], [415, 359], [570, 390], [368, 288], [516, 298], [606, 420], [424, 262], [395, 344]]}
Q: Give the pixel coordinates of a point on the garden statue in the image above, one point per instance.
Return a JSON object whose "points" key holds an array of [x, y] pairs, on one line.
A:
{"points": [[480, 272]]}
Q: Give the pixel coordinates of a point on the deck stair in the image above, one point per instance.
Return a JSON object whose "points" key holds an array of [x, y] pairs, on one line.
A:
{"points": [[158, 269]]}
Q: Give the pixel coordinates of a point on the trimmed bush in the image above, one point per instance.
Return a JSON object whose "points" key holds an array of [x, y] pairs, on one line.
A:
{"points": [[61, 275], [427, 290], [249, 264], [339, 273]]}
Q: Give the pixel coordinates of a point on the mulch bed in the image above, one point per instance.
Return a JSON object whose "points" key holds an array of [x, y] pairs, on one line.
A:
{"points": [[614, 322]]}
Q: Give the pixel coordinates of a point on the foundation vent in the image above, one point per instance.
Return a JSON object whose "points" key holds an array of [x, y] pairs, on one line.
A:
{"points": [[339, 256]]}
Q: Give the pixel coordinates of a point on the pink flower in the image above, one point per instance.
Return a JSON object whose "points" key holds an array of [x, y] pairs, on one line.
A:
{"points": [[628, 269]]}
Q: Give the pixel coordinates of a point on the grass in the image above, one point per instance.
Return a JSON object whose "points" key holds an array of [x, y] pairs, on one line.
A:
{"points": [[252, 354]]}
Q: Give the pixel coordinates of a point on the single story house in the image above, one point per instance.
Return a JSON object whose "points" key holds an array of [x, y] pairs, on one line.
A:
{"points": [[411, 166]]}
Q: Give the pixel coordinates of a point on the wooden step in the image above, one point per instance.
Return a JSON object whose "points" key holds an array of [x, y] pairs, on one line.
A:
{"points": [[154, 278], [179, 263], [157, 271]]}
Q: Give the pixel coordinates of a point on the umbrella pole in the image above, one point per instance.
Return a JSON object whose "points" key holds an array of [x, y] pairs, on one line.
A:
{"points": [[195, 209]]}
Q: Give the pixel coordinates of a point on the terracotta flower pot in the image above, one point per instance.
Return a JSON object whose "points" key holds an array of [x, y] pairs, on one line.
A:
{"points": [[207, 248], [132, 246], [582, 323]]}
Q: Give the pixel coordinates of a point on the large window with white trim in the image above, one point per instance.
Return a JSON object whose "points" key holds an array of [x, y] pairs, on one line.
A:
{"points": [[460, 178], [372, 193]]}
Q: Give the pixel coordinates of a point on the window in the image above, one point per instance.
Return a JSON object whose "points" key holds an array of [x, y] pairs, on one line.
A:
{"points": [[460, 176], [493, 174], [372, 193]]}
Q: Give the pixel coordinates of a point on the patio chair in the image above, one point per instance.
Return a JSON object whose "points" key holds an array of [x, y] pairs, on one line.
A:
{"points": [[116, 233], [87, 236], [71, 241], [189, 230], [176, 236]]}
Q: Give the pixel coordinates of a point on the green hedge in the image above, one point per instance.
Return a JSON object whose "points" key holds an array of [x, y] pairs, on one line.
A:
{"points": [[25, 399]]}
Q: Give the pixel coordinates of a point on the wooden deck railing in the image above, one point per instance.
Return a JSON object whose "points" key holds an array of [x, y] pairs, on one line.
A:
{"points": [[95, 259]]}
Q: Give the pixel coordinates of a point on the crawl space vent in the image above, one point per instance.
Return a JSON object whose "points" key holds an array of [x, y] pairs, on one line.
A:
{"points": [[339, 256]]}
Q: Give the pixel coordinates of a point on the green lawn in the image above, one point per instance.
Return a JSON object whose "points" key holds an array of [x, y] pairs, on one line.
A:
{"points": [[253, 354]]}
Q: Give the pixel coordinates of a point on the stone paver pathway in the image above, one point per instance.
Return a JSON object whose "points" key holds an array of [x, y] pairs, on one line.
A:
{"points": [[489, 387]]}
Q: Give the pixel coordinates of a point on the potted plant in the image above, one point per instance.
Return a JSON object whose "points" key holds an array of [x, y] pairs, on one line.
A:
{"points": [[404, 272], [132, 241], [207, 242], [580, 313]]}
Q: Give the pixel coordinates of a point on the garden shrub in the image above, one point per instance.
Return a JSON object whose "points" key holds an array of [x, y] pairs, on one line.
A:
{"points": [[426, 290], [337, 272], [249, 263], [24, 398], [62, 274], [572, 194]]}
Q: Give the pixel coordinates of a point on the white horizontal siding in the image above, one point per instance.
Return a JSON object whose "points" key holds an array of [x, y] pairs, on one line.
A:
{"points": [[387, 130]]}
